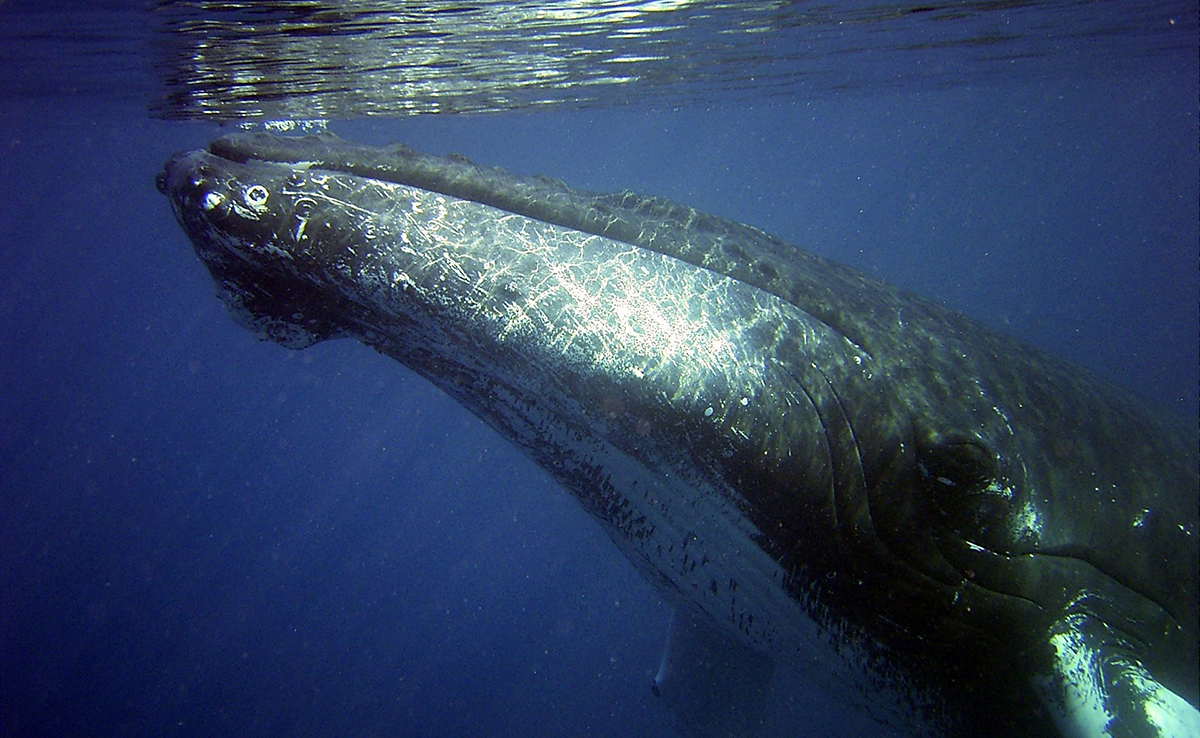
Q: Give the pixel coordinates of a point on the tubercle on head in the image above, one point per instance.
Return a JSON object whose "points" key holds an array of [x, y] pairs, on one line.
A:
{"points": [[247, 201]]}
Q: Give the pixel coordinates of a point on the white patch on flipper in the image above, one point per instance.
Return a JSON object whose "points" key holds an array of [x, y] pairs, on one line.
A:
{"points": [[1074, 695], [1077, 698], [1167, 711]]}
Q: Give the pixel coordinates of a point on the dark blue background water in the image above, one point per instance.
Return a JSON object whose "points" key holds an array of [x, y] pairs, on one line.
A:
{"points": [[204, 535]]}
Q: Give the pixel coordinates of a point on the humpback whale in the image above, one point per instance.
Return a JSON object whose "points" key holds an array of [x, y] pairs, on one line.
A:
{"points": [[956, 533]]}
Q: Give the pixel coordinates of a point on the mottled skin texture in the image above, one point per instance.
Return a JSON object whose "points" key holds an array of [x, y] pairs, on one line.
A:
{"points": [[935, 496]]}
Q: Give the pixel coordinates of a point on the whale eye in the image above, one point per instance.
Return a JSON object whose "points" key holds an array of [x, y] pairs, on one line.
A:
{"points": [[963, 479], [256, 197]]}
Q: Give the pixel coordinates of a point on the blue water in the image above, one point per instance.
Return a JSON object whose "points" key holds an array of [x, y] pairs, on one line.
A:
{"points": [[204, 535]]}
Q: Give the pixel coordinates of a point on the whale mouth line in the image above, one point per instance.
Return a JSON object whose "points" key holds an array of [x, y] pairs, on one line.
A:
{"points": [[540, 198], [656, 224]]}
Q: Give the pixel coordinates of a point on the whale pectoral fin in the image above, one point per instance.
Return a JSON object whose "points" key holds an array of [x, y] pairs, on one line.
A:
{"points": [[1098, 687], [715, 686]]}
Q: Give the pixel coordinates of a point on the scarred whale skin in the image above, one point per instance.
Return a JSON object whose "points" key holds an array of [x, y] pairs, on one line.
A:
{"points": [[957, 533]]}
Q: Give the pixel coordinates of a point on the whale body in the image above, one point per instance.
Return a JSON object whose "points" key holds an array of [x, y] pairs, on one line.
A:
{"points": [[958, 534]]}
